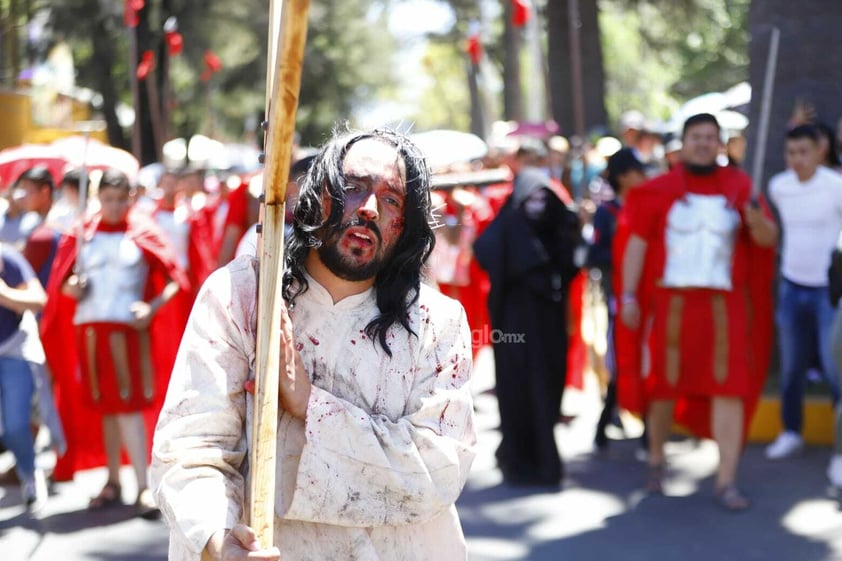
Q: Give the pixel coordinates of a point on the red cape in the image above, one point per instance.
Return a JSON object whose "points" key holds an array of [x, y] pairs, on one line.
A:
{"points": [[694, 414], [83, 426], [201, 262]]}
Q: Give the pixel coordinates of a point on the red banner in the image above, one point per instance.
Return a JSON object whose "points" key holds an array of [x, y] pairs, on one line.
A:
{"points": [[521, 12], [146, 65], [174, 41], [474, 48], [212, 65], [130, 10]]}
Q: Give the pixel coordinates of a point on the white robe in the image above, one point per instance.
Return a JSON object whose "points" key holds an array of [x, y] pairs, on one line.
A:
{"points": [[375, 470]]}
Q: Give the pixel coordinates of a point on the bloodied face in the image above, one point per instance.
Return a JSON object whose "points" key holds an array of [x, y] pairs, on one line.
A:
{"points": [[373, 217]]}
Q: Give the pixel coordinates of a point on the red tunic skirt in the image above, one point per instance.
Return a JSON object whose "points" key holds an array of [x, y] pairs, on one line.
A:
{"points": [[116, 367], [699, 344]]}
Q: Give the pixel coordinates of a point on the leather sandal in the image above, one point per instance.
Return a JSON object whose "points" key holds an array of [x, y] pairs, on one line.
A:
{"points": [[731, 499], [145, 506], [108, 497]]}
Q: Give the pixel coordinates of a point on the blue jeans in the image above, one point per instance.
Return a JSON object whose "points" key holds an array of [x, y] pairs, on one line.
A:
{"points": [[16, 390], [805, 320]]}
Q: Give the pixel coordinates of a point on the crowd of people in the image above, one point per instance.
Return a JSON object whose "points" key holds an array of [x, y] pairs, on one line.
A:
{"points": [[129, 325], [683, 251]]}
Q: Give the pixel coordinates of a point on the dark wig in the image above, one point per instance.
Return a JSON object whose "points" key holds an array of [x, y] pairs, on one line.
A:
{"points": [[399, 280]]}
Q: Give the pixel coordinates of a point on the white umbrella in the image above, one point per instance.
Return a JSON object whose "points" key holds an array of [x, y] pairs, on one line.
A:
{"points": [[444, 148]]}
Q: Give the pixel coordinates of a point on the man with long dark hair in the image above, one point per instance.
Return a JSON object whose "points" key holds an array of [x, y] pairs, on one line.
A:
{"points": [[375, 434]]}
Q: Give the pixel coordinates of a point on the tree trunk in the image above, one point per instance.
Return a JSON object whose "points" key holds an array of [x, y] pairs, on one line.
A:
{"points": [[477, 113], [14, 43], [805, 70], [103, 59], [146, 40], [559, 61], [512, 87]]}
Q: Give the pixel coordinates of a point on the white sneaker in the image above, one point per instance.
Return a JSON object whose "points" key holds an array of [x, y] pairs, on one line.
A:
{"points": [[34, 490], [787, 444], [834, 471]]}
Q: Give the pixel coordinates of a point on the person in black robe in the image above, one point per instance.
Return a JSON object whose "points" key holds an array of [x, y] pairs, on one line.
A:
{"points": [[529, 252]]}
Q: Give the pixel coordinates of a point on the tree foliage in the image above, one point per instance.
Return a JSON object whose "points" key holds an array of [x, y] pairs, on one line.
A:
{"points": [[347, 60], [663, 52], [657, 53]]}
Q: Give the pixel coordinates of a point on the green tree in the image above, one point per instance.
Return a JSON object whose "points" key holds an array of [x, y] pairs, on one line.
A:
{"points": [[100, 45], [446, 103], [561, 64], [663, 52], [635, 77], [348, 62], [345, 63]]}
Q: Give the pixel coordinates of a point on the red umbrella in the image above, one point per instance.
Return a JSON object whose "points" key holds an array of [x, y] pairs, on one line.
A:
{"points": [[14, 161], [62, 155]]}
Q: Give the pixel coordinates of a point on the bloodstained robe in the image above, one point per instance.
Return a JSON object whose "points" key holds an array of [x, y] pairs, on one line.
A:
{"points": [[695, 343], [83, 424], [374, 470]]}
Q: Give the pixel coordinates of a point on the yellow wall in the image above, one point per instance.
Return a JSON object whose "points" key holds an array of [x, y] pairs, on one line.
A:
{"points": [[17, 129], [818, 420], [15, 116]]}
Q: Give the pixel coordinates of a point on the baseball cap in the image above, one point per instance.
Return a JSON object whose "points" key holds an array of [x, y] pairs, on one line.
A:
{"points": [[620, 162], [632, 119]]}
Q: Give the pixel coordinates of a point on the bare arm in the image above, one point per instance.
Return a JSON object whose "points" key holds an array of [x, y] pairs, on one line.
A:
{"points": [[29, 295], [143, 311], [761, 228], [633, 263], [165, 296], [633, 260]]}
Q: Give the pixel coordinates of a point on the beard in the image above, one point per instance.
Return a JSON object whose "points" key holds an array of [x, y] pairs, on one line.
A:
{"points": [[345, 266], [701, 169]]}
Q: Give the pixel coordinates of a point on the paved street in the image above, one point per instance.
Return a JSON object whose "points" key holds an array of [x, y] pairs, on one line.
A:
{"points": [[600, 514]]}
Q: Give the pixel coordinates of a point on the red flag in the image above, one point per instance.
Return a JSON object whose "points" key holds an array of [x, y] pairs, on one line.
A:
{"points": [[474, 48], [520, 12], [212, 65], [130, 10], [175, 42], [146, 65]]}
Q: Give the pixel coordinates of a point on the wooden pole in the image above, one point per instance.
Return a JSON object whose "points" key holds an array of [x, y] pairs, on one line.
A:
{"points": [[83, 208], [580, 191], [765, 113], [155, 114], [281, 106], [136, 147]]}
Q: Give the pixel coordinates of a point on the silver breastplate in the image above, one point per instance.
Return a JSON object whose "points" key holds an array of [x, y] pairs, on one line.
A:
{"points": [[700, 236], [116, 273]]}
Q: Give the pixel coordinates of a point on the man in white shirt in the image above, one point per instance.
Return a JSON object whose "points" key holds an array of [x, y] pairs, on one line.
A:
{"points": [[808, 197], [375, 432]]}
